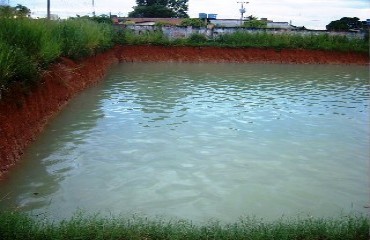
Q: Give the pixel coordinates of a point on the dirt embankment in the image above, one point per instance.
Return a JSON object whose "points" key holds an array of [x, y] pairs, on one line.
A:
{"points": [[23, 115], [239, 55]]}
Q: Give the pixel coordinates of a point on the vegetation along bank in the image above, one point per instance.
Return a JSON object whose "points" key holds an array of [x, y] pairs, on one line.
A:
{"points": [[15, 225]]}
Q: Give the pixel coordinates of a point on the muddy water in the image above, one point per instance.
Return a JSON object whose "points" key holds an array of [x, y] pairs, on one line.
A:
{"points": [[204, 141]]}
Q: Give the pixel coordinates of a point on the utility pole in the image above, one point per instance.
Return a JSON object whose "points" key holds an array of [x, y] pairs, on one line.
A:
{"points": [[93, 5], [242, 11], [48, 9]]}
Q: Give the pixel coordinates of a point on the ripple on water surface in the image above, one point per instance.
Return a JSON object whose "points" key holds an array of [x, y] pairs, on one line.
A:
{"points": [[203, 141]]}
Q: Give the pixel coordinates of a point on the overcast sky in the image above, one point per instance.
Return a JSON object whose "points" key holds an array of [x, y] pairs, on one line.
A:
{"points": [[314, 14]]}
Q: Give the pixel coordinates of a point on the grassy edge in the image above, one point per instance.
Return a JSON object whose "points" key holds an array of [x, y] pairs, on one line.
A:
{"points": [[15, 225], [249, 40]]}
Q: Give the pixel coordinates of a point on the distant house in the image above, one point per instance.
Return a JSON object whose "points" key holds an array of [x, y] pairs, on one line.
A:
{"points": [[178, 21], [237, 23], [54, 17], [114, 19], [280, 25], [225, 22]]}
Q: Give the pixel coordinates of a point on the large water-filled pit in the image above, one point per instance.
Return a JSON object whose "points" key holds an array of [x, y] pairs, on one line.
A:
{"points": [[203, 141]]}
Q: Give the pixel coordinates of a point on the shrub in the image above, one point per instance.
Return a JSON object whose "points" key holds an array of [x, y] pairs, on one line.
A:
{"points": [[28, 46], [163, 24], [255, 24], [194, 22], [196, 38], [82, 37], [146, 37]]}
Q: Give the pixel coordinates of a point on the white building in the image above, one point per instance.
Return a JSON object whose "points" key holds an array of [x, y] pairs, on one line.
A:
{"points": [[280, 25], [54, 17], [225, 22], [237, 23]]}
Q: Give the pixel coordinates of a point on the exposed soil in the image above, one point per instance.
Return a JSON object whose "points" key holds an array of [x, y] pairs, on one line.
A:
{"points": [[241, 55], [24, 114]]}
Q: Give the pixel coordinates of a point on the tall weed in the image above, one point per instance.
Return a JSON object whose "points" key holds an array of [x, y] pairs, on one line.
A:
{"points": [[28, 46], [292, 41], [147, 37], [15, 66], [82, 37]]}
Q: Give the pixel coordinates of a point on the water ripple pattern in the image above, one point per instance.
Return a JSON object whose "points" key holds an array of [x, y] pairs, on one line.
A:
{"points": [[204, 141]]}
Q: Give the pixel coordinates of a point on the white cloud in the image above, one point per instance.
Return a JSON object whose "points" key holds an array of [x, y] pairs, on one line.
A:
{"points": [[310, 13]]}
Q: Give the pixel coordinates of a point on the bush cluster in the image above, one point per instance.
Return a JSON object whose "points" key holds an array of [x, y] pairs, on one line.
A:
{"points": [[129, 37], [194, 22], [29, 46]]}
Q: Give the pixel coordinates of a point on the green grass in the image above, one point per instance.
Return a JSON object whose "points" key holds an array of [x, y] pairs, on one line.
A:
{"points": [[293, 41], [256, 40], [81, 37], [129, 37], [29, 46], [14, 225]]}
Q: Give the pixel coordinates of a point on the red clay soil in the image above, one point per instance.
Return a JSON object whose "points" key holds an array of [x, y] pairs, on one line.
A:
{"points": [[241, 55], [23, 115]]}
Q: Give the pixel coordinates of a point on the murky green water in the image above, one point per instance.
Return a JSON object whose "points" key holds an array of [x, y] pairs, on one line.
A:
{"points": [[203, 141]]}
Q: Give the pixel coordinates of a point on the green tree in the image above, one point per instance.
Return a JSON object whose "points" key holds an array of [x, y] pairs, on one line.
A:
{"points": [[345, 24], [194, 22], [180, 7], [251, 17], [154, 11], [18, 11], [6, 11], [160, 8], [255, 24], [22, 11]]}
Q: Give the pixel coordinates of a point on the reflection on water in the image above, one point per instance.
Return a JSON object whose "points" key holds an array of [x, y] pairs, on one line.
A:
{"points": [[203, 141]]}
